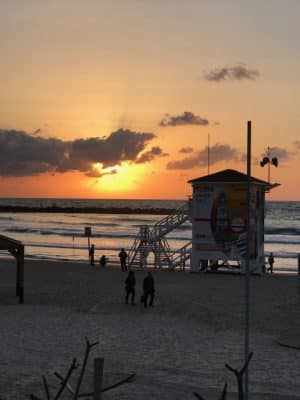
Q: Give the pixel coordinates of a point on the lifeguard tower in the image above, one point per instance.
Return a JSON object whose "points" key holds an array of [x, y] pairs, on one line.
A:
{"points": [[218, 211]]}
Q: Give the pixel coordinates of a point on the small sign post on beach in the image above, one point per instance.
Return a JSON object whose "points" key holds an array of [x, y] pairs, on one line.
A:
{"points": [[88, 234]]}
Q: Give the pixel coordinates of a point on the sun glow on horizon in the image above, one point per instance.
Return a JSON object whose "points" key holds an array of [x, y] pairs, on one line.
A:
{"points": [[119, 178]]}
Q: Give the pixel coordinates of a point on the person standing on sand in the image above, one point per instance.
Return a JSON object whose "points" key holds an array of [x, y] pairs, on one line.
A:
{"points": [[123, 256], [271, 262], [130, 287], [92, 254], [148, 289]]}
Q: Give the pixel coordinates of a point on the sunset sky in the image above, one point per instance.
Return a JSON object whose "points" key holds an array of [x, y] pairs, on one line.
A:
{"points": [[117, 99]]}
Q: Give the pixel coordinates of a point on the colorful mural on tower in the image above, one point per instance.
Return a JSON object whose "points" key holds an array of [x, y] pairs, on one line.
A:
{"points": [[220, 221]]}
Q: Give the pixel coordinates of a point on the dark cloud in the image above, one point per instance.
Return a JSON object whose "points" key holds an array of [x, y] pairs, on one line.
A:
{"points": [[236, 73], [151, 154], [22, 154], [217, 153], [187, 118], [186, 150], [94, 173]]}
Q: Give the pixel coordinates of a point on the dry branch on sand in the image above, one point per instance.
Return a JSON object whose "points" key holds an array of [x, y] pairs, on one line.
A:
{"points": [[240, 379], [65, 384]]}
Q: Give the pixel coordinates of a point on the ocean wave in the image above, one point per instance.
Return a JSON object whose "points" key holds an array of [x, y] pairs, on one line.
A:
{"points": [[80, 234], [173, 235], [70, 247], [284, 254], [282, 239], [282, 231], [6, 218], [21, 230], [82, 224]]}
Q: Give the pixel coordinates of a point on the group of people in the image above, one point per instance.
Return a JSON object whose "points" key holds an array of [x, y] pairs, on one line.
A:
{"points": [[103, 259], [148, 289], [148, 282]]}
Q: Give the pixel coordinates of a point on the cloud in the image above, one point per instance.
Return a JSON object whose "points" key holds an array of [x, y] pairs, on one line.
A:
{"points": [[217, 153], [236, 73], [187, 118], [22, 154], [280, 153], [94, 173], [151, 154], [186, 150]]}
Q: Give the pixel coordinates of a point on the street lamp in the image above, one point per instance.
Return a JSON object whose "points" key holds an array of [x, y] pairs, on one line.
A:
{"points": [[267, 159]]}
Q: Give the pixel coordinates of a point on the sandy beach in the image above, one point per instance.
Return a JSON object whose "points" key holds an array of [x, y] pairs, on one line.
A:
{"points": [[177, 347]]}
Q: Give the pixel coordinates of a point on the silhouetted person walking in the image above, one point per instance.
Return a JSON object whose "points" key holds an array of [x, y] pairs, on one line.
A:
{"points": [[130, 287], [271, 262], [92, 254], [123, 256], [148, 289]]}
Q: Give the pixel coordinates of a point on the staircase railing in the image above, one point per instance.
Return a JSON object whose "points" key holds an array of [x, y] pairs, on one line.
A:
{"points": [[133, 249], [163, 252], [168, 223], [182, 255], [152, 239]]}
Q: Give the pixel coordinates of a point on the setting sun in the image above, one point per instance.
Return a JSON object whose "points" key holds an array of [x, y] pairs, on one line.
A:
{"points": [[119, 178]]}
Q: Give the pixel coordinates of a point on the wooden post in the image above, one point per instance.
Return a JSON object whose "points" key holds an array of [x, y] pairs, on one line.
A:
{"points": [[98, 378], [17, 274], [21, 274], [18, 253]]}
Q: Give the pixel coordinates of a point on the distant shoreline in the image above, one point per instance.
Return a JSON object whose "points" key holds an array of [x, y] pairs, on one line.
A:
{"points": [[86, 210]]}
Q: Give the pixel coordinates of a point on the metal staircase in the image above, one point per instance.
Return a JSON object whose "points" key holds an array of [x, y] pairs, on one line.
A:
{"points": [[153, 240], [181, 256]]}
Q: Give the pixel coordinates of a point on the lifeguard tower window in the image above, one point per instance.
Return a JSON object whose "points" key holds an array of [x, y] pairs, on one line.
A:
{"points": [[16, 249]]}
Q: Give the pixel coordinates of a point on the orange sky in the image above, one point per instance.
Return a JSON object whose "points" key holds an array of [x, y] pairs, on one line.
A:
{"points": [[101, 77]]}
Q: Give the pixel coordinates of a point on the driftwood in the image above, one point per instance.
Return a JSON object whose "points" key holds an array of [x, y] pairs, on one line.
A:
{"points": [[86, 356], [128, 379], [239, 375], [75, 391], [289, 346], [47, 392], [72, 367], [70, 389], [240, 379], [68, 386]]}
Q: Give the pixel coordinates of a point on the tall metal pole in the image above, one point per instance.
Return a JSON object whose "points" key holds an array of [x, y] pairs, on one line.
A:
{"points": [[247, 275], [208, 149], [269, 163]]}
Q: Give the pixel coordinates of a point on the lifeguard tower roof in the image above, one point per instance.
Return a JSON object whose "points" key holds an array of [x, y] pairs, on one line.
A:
{"points": [[231, 176]]}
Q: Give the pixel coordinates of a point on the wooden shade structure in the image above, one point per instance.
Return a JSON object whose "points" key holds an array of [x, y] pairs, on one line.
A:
{"points": [[16, 249]]}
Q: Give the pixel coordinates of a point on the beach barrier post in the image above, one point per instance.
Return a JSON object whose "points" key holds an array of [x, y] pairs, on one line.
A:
{"points": [[98, 378]]}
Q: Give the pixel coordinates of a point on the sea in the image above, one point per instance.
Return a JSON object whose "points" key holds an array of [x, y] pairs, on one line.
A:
{"points": [[61, 235]]}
